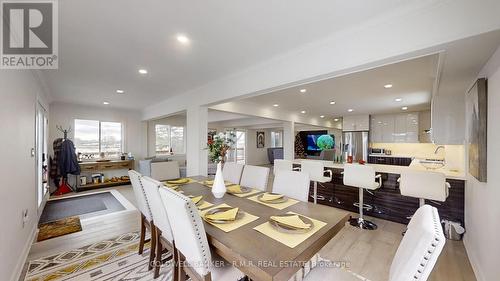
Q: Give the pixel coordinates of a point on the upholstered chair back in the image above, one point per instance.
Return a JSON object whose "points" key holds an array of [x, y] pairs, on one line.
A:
{"points": [[140, 196], [166, 170], [255, 177], [158, 211], [232, 172], [188, 230], [292, 184]]}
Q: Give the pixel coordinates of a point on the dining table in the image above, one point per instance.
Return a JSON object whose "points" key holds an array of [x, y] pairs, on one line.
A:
{"points": [[256, 255]]}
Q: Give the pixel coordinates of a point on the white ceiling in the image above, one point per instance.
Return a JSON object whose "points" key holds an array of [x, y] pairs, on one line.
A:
{"points": [[102, 44], [363, 92], [413, 81]]}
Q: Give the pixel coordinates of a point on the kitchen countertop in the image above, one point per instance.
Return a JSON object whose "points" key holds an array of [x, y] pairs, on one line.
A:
{"points": [[392, 169], [392, 155]]}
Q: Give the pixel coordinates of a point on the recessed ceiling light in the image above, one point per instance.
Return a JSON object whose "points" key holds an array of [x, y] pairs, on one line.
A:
{"points": [[182, 39], [404, 108], [322, 116], [303, 112], [398, 99], [105, 102], [303, 90], [332, 102], [350, 110], [120, 91], [388, 86], [143, 71], [276, 105], [336, 119]]}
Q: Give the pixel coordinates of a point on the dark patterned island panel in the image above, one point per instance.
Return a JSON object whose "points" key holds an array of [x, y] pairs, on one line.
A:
{"points": [[387, 201]]}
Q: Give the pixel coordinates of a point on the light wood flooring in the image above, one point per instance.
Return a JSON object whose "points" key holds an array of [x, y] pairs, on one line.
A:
{"points": [[368, 253]]}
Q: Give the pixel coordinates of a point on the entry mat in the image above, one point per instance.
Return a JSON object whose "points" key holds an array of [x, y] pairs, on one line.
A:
{"points": [[85, 206]]}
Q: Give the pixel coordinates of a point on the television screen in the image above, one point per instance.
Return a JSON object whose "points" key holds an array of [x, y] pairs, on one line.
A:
{"points": [[320, 142]]}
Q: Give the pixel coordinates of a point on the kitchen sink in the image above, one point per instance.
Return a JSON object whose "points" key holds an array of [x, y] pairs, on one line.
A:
{"points": [[432, 164]]}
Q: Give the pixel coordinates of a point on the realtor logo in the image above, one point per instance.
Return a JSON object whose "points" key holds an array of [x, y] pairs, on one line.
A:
{"points": [[29, 34]]}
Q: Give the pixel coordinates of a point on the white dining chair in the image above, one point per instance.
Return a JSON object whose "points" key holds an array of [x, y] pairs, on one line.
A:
{"points": [[316, 171], [415, 257], [283, 165], [196, 259], [255, 177], [146, 216], [231, 172], [162, 231], [292, 184], [166, 170]]}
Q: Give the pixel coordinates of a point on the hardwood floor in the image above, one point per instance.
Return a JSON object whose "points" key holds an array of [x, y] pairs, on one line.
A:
{"points": [[367, 253]]}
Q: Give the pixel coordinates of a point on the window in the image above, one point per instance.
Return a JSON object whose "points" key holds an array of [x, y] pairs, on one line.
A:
{"points": [[277, 139], [169, 137], [93, 137]]}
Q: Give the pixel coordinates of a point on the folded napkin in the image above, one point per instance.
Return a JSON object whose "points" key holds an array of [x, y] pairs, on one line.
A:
{"points": [[172, 186], [271, 197], [208, 182], [229, 215], [235, 188], [179, 181], [293, 221], [196, 199]]}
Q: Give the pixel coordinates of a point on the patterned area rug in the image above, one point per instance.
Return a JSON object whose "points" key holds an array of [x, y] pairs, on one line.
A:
{"points": [[114, 259], [59, 228]]}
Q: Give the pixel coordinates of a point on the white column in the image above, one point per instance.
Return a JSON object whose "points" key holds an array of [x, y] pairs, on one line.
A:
{"points": [[289, 140], [196, 154]]}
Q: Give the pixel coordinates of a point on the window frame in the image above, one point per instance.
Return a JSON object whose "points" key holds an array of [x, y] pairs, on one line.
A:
{"points": [[170, 139], [273, 133], [122, 129]]}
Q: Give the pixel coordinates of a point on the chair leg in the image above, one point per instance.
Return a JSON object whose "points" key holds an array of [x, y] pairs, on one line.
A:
{"points": [[361, 222], [142, 239], [315, 192], [175, 268], [159, 250], [152, 247], [182, 273]]}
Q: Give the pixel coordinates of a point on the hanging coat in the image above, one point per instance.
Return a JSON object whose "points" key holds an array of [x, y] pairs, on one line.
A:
{"points": [[68, 162]]}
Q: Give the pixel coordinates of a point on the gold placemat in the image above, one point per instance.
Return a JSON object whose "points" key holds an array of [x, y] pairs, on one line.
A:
{"points": [[289, 239], [247, 218], [279, 206], [204, 205], [177, 185], [241, 195]]}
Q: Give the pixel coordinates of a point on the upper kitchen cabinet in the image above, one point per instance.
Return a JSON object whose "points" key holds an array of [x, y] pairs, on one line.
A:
{"points": [[356, 123], [447, 119], [424, 124], [390, 128]]}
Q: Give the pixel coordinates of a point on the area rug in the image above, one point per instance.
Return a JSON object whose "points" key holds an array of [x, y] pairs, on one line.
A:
{"points": [[59, 228], [114, 259], [81, 205]]}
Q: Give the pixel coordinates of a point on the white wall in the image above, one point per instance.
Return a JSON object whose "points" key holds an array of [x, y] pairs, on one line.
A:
{"points": [[482, 207], [254, 155], [134, 130], [18, 94]]}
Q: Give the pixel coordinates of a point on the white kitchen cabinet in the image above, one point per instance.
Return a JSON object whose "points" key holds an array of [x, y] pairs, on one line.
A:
{"points": [[389, 128], [356, 123], [447, 118]]}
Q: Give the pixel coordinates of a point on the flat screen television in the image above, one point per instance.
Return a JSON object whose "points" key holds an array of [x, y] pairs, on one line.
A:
{"points": [[317, 142]]}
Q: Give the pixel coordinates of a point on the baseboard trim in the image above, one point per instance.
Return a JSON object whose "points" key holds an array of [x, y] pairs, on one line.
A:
{"points": [[16, 274], [476, 266]]}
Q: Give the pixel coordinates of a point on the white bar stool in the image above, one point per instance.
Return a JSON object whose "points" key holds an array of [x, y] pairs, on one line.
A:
{"points": [[424, 185], [316, 171], [362, 177]]}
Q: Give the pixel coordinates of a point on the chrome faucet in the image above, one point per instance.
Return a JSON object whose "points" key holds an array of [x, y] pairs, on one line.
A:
{"points": [[438, 148]]}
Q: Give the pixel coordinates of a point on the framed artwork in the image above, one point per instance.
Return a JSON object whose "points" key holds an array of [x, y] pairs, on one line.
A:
{"points": [[476, 101], [261, 139]]}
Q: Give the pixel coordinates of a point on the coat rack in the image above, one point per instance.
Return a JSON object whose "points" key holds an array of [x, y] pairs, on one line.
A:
{"points": [[64, 131]]}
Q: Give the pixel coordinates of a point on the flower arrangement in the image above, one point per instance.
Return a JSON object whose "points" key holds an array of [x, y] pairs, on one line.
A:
{"points": [[219, 145]]}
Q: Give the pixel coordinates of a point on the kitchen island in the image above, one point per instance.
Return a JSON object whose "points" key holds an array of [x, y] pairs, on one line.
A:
{"points": [[387, 201]]}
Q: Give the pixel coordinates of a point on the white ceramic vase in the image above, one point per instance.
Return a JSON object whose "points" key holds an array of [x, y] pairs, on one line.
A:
{"points": [[219, 188]]}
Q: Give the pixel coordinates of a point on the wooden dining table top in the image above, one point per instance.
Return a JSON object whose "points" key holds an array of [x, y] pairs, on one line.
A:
{"points": [[257, 255]]}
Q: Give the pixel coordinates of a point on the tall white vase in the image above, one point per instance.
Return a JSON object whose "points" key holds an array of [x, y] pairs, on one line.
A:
{"points": [[219, 188]]}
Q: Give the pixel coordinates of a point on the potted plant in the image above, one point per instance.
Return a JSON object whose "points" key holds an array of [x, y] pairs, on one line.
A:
{"points": [[218, 147]]}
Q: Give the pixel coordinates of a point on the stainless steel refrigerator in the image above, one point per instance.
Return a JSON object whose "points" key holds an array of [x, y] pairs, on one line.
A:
{"points": [[355, 144]]}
